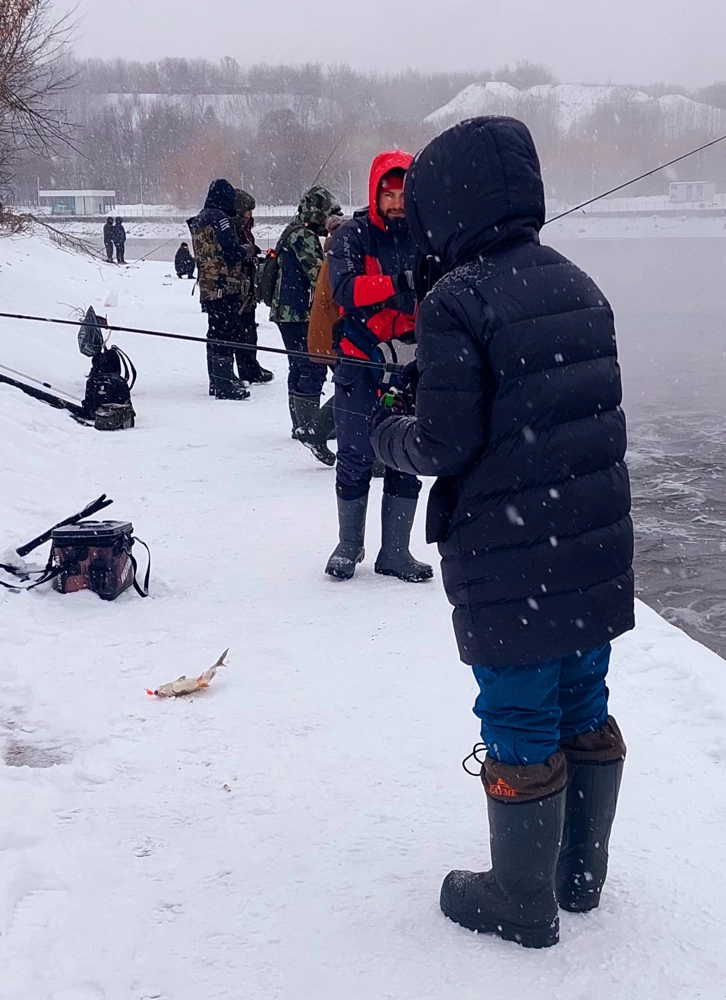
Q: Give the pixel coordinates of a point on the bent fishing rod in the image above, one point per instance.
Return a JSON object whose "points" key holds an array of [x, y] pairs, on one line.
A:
{"points": [[388, 366]]}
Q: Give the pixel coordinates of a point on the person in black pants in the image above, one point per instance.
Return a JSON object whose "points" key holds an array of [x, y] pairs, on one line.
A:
{"points": [[119, 240], [219, 258], [108, 239], [184, 263], [248, 367]]}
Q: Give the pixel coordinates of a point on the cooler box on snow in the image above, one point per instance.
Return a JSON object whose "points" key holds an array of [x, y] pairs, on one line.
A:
{"points": [[94, 555]]}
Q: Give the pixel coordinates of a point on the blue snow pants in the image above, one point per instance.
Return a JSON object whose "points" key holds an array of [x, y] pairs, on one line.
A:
{"points": [[526, 710], [356, 393], [305, 377]]}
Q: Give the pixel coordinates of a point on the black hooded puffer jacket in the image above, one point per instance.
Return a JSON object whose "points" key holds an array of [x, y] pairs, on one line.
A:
{"points": [[518, 410]]}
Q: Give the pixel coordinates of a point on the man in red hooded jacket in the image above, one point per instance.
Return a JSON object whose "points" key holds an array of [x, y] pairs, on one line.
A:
{"points": [[371, 261]]}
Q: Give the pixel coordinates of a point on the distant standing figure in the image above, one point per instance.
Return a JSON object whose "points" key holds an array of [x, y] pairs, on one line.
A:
{"points": [[219, 258], [300, 258], [119, 239], [249, 368], [184, 263], [108, 238]]}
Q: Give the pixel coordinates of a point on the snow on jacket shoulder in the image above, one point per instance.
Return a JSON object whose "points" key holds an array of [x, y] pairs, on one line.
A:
{"points": [[518, 411]]}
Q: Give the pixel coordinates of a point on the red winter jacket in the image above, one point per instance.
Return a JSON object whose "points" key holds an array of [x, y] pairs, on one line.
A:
{"points": [[367, 254]]}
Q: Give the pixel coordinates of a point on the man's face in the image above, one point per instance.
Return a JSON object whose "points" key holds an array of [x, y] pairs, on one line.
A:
{"points": [[248, 215], [390, 203]]}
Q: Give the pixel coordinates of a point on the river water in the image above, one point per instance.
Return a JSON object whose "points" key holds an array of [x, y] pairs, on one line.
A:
{"points": [[669, 297]]}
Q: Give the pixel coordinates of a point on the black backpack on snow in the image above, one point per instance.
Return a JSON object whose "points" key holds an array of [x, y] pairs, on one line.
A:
{"points": [[267, 278], [112, 377]]}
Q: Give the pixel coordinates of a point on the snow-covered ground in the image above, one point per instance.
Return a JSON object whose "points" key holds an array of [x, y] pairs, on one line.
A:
{"points": [[284, 834], [581, 225]]}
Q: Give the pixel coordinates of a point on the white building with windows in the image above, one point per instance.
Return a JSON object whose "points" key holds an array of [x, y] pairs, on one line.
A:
{"points": [[78, 202], [693, 192]]}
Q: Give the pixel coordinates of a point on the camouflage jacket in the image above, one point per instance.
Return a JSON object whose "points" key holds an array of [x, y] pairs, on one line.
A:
{"points": [[218, 254], [301, 258], [244, 202]]}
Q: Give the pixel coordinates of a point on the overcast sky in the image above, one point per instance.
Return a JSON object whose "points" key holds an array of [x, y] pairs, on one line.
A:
{"points": [[623, 41]]}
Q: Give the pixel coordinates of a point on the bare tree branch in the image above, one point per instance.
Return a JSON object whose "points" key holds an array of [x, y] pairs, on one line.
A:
{"points": [[33, 74]]}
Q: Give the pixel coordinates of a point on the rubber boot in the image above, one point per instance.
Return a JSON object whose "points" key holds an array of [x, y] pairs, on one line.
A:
{"points": [[293, 414], [516, 899], [310, 431], [351, 531], [225, 385], [594, 770], [394, 559], [259, 375]]}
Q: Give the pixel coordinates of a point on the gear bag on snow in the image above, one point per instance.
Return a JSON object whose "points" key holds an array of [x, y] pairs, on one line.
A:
{"points": [[108, 402], [108, 387], [97, 556], [267, 278], [85, 555]]}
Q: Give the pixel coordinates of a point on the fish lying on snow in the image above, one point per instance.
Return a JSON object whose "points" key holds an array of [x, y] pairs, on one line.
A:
{"points": [[188, 685]]}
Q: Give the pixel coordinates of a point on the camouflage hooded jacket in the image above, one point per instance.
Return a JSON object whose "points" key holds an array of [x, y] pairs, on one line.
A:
{"points": [[244, 202], [301, 257], [217, 249]]}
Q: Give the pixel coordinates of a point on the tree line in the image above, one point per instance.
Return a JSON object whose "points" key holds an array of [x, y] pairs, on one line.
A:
{"points": [[158, 132]]}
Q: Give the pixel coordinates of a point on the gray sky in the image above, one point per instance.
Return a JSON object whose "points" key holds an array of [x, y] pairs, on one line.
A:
{"points": [[581, 40]]}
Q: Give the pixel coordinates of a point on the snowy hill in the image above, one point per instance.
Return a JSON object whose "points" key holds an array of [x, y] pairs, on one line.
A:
{"points": [[569, 106], [283, 835], [246, 110]]}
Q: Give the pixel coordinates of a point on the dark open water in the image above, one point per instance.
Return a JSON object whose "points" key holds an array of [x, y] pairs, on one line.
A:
{"points": [[669, 297]]}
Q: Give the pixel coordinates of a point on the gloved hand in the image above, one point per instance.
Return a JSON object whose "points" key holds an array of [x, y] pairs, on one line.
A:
{"points": [[393, 403], [250, 251], [403, 282]]}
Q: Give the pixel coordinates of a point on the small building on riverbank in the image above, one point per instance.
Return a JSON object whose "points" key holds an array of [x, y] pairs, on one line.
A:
{"points": [[78, 202]]}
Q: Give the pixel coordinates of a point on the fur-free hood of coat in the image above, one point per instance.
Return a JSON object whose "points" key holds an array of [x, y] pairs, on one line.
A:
{"points": [[221, 195], [315, 207], [475, 187]]}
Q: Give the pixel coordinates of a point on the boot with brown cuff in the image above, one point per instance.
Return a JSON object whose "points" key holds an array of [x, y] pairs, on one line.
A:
{"points": [[516, 899], [594, 770]]}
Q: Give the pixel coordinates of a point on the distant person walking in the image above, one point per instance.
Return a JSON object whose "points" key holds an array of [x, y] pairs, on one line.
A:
{"points": [[184, 263], [108, 239], [119, 239]]}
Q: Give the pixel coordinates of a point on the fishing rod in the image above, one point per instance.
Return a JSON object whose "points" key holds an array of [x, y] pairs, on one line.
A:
{"points": [[634, 180], [160, 247], [387, 366], [331, 154], [45, 385]]}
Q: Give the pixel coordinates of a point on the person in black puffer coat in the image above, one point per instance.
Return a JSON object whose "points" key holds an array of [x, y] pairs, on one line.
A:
{"points": [[518, 415]]}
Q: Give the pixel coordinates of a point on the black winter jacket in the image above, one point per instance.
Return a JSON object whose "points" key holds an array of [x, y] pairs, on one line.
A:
{"points": [[518, 411]]}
